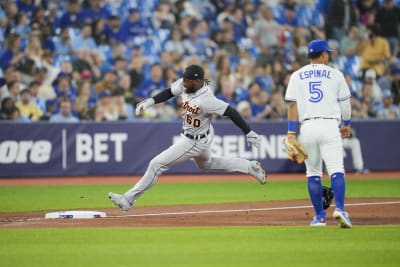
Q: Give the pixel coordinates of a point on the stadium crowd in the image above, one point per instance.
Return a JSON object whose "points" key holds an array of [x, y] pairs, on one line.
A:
{"points": [[80, 60]]}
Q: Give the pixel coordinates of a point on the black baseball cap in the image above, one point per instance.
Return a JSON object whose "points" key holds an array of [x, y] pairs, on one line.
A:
{"points": [[193, 72]]}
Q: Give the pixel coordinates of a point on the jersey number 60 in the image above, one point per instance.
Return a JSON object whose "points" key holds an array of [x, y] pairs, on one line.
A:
{"points": [[315, 91], [191, 121]]}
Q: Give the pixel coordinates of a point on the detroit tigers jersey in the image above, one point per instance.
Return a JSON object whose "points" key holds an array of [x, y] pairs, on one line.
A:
{"points": [[198, 108], [317, 89]]}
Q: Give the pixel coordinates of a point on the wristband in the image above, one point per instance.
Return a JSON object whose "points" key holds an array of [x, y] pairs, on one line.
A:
{"points": [[346, 122], [292, 127]]}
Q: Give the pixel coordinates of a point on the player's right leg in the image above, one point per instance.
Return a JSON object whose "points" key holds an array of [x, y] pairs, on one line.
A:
{"points": [[175, 154], [309, 139]]}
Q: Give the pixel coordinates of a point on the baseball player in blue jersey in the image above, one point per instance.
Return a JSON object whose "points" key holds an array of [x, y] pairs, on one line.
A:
{"points": [[319, 99], [199, 106]]}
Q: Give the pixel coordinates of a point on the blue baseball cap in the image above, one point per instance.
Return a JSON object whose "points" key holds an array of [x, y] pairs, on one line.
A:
{"points": [[316, 46]]}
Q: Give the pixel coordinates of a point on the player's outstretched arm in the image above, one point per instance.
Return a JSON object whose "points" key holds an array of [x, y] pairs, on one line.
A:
{"points": [[148, 102], [252, 137]]}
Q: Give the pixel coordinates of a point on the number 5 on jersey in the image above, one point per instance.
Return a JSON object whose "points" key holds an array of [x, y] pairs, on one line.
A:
{"points": [[315, 92]]}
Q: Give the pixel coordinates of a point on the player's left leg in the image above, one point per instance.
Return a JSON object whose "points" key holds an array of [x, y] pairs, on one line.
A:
{"points": [[206, 161], [332, 154]]}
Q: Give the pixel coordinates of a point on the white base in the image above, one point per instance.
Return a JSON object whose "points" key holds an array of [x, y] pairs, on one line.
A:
{"points": [[75, 214]]}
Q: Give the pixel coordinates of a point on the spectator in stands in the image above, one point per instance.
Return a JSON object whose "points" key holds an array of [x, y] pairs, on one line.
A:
{"points": [[154, 82], [162, 17], [98, 32], [34, 50], [349, 44], [170, 74], [223, 67], [63, 45], [392, 82], [113, 31], [243, 74], [227, 13], [35, 97], [229, 44], [87, 93], [13, 90], [11, 10], [84, 62], [288, 17], [341, 18], [374, 51], [93, 12], [22, 28], [259, 102], [50, 109], [27, 108], [263, 77], [133, 26], [12, 54], [6, 106], [278, 106], [84, 39], [388, 17], [46, 89], [227, 92], [81, 109], [370, 78], [135, 70], [71, 17], [15, 115], [125, 110], [63, 87], [124, 84], [175, 44], [108, 82], [10, 74], [107, 107], [65, 114], [359, 109], [238, 24], [387, 110], [369, 104], [119, 66], [366, 10], [267, 43], [25, 6]]}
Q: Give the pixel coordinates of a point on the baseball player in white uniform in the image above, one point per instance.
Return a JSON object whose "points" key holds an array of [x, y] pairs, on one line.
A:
{"points": [[319, 99], [199, 107]]}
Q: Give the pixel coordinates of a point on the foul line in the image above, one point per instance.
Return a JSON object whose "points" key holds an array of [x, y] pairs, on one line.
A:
{"points": [[243, 210]]}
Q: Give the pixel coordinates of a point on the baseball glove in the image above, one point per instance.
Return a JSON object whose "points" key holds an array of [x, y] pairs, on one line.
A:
{"points": [[327, 196], [295, 150]]}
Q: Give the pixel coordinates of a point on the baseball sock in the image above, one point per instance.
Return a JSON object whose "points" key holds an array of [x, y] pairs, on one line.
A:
{"points": [[339, 188], [315, 192]]}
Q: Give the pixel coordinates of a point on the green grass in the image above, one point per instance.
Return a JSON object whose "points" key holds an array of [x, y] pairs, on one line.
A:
{"points": [[214, 246], [35, 198]]}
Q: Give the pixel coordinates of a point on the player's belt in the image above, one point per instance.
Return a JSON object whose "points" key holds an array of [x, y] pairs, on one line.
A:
{"points": [[318, 118], [196, 137]]}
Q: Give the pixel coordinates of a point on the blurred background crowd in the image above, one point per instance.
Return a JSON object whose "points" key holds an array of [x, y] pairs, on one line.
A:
{"points": [[94, 60]]}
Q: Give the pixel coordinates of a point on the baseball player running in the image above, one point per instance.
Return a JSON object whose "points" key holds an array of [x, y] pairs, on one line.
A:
{"points": [[199, 106], [320, 99]]}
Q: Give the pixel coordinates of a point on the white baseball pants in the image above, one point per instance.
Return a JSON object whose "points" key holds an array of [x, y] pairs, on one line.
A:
{"points": [[183, 150], [322, 141]]}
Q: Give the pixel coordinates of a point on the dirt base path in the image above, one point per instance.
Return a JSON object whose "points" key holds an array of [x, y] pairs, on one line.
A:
{"points": [[283, 213]]}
